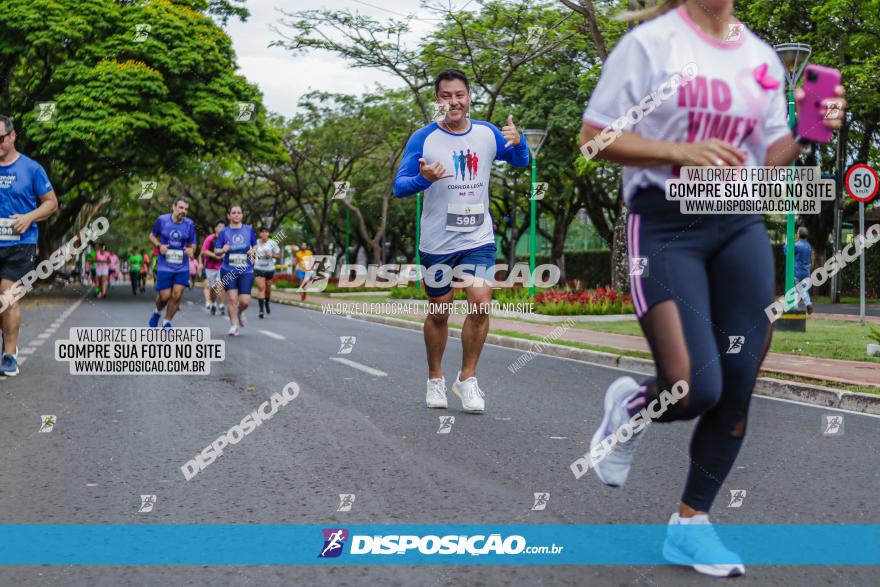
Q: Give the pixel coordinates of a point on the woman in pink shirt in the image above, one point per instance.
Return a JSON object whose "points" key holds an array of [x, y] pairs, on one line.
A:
{"points": [[114, 267], [692, 86], [193, 271], [214, 292], [102, 269]]}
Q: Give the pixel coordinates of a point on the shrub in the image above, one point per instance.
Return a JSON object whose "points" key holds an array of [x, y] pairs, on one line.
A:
{"points": [[598, 301]]}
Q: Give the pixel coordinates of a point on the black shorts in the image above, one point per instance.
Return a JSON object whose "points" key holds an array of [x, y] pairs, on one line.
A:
{"points": [[16, 261], [266, 274]]}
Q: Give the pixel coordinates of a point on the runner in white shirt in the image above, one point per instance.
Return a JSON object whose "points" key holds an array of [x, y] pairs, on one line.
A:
{"points": [[268, 252], [456, 224], [697, 88]]}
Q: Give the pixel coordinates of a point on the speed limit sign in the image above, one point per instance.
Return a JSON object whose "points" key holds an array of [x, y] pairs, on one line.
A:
{"points": [[862, 182]]}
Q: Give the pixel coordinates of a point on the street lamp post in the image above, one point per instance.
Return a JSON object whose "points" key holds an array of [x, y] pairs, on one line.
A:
{"points": [[535, 139], [349, 195], [795, 57]]}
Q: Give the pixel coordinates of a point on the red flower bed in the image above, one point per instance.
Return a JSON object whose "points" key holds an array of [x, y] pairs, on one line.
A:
{"points": [[595, 296], [602, 300]]}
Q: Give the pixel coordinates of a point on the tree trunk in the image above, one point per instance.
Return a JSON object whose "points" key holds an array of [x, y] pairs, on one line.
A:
{"points": [[619, 255], [557, 249]]}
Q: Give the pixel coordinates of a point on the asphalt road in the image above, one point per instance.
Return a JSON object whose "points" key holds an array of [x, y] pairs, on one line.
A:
{"points": [[368, 434]]}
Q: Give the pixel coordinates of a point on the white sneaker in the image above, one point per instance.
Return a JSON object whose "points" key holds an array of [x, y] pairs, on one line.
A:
{"points": [[470, 394], [242, 321], [233, 331], [436, 396], [693, 541], [613, 469]]}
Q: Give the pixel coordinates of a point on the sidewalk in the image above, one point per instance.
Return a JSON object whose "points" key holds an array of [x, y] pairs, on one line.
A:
{"points": [[847, 317], [847, 311], [849, 372]]}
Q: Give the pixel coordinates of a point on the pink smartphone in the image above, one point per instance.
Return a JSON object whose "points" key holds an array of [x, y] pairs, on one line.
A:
{"points": [[819, 84]]}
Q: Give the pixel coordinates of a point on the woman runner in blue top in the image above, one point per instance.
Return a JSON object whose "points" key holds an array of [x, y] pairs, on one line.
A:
{"points": [[237, 242]]}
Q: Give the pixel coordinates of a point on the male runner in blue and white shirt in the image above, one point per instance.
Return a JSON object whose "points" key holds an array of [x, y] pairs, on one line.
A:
{"points": [[175, 236], [456, 224]]}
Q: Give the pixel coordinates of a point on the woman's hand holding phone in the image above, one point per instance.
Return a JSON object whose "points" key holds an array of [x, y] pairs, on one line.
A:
{"points": [[820, 104]]}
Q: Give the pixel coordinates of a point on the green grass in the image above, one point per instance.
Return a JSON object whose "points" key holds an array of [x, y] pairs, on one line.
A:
{"points": [[829, 339], [618, 327]]}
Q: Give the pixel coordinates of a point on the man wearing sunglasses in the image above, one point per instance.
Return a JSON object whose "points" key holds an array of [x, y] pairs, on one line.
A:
{"points": [[26, 197]]}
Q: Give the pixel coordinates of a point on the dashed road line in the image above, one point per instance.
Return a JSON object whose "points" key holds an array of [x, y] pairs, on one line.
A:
{"points": [[41, 338], [359, 367], [271, 334]]}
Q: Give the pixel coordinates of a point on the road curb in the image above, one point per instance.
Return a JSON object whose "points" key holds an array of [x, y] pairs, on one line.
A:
{"points": [[765, 386]]}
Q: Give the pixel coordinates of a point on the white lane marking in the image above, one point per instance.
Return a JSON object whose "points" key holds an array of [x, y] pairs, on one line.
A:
{"points": [[91, 484], [629, 371], [46, 334], [364, 368], [271, 334], [558, 438]]}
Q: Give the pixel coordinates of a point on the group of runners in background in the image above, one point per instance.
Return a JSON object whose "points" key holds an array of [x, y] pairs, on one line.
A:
{"points": [[234, 260]]}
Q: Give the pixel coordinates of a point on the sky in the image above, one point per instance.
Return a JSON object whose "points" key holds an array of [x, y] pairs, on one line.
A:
{"points": [[283, 77]]}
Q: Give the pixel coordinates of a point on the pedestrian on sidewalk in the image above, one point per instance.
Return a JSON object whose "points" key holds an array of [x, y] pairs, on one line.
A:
{"points": [[803, 254]]}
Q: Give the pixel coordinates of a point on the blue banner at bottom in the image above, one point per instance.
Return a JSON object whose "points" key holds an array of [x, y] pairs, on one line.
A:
{"points": [[273, 544]]}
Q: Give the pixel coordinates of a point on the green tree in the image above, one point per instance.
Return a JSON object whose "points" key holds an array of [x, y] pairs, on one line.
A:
{"points": [[141, 89], [843, 34], [494, 44]]}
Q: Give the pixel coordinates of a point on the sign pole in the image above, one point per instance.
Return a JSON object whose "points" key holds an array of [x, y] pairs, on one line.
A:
{"points": [[533, 241], [862, 184], [862, 266], [790, 219]]}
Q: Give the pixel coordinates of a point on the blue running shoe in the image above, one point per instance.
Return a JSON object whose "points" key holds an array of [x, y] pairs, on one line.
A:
{"points": [[693, 542], [8, 365], [167, 325], [154, 319]]}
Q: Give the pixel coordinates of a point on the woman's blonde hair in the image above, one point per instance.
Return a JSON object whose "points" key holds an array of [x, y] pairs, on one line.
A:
{"points": [[659, 7]]}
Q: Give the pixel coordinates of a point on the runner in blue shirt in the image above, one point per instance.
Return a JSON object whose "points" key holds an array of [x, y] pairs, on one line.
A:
{"points": [[456, 224], [175, 236], [238, 244], [26, 197]]}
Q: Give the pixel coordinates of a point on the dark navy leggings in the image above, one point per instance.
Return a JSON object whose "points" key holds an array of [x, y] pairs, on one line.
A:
{"points": [[700, 301]]}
